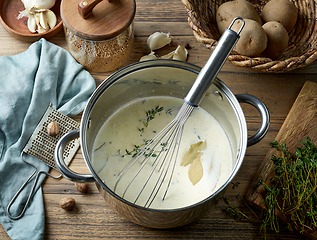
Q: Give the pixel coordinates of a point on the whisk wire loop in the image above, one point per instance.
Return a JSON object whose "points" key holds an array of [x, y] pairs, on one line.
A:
{"points": [[177, 144], [168, 159], [157, 161], [147, 148], [164, 148], [173, 150]]}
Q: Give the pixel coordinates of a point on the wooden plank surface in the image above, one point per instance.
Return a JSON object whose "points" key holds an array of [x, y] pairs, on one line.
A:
{"points": [[94, 219], [299, 123]]}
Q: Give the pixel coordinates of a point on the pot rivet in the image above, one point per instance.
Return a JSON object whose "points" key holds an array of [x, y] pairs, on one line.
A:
{"points": [[219, 95]]}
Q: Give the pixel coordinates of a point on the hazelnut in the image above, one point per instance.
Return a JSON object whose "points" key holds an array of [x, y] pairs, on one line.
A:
{"points": [[53, 129], [67, 203], [82, 187]]}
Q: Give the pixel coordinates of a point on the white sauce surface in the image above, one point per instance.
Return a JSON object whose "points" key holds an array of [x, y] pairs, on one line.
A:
{"points": [[122, 131]]}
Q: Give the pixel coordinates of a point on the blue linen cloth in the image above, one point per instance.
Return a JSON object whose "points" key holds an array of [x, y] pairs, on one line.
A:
{"points": [[29, 82]]}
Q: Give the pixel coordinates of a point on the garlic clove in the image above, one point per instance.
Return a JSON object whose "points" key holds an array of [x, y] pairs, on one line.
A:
{"points": [[43, 20], [168, 56], [40, 29], [158, 40], [180, 53], [51, 18], [150, 56], [31, 24], [36, 18]]}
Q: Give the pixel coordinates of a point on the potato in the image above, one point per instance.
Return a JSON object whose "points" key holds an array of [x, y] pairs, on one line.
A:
{"points": [[238, 8], [253, 39], [277, 37], [282, 11]]}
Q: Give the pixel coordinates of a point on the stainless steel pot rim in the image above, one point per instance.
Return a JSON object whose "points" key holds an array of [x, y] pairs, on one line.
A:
{"points": [[140, 65], [161, 63]]}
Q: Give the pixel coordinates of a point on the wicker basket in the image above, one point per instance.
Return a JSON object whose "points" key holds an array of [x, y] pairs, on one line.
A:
{"points": [[301, 49]]}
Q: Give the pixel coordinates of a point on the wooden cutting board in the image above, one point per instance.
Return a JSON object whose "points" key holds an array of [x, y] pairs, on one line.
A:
{"points": [[299, 123]]}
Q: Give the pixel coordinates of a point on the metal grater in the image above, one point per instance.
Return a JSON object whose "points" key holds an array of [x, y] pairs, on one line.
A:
{"points": [[42, 146]]}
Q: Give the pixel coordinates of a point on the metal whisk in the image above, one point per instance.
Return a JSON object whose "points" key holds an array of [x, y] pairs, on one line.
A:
{"points": [[164, 147]]}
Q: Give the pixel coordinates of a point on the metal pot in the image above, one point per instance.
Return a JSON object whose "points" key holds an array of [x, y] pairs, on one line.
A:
{"points": [[160, 78]]}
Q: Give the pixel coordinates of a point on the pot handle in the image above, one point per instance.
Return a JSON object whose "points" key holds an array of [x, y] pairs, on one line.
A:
{"points": [[59, 161], [265, 117]]}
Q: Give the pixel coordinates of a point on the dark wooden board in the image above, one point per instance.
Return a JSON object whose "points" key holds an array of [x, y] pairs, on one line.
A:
{"points": [[299, 123]]}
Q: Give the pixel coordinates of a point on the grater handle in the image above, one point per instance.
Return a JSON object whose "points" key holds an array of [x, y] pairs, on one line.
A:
{"points": [[32, 190], [60, 163]]}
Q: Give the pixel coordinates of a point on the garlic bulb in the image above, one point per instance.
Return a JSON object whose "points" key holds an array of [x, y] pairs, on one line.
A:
{"points": [[46, 4], [158, 40], [40, 19]]}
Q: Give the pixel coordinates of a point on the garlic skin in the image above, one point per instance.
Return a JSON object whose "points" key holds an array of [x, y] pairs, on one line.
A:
{"points": [[150, 56], [180, 53], [158, 40], [168, 56]]}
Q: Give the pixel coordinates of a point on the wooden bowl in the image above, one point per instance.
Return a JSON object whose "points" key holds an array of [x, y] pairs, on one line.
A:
{"points": [[301, 50], [18, 28]]}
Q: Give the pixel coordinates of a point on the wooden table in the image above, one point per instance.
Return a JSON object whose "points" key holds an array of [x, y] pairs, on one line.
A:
{"points": [[94, 219]]}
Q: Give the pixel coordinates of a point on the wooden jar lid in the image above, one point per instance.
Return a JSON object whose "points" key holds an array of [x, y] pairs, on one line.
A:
{"points": [[108, 18]]}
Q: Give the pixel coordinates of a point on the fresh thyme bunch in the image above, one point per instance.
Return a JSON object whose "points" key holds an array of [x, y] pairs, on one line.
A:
{"points": [[292, 193]]}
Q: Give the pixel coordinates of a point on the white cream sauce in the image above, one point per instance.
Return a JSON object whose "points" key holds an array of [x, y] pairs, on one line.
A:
{"points": [[126, 128]]}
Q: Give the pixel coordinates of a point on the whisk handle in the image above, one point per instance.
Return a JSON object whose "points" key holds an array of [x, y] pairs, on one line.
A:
{"points": [[213, 65]]}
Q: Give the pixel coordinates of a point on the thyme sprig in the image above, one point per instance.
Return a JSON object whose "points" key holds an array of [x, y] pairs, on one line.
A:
{"points": [[234, 211], [292, 192], [151, 114]]}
